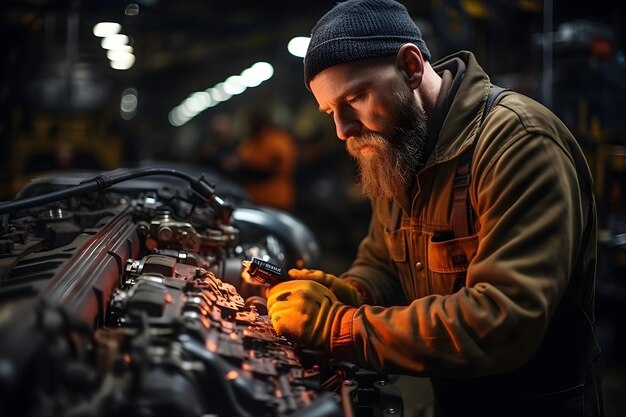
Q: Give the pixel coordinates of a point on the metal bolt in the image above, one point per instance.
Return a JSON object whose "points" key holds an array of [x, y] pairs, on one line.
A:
{"points": [[165, 233]]}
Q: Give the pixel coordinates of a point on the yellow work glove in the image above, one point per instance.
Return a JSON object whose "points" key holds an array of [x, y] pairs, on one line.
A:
{"points": [[303, 311], [344, 292]]}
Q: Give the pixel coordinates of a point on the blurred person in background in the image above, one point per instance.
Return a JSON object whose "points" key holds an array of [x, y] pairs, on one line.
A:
{"points": [[264, 162], [478, 269]]}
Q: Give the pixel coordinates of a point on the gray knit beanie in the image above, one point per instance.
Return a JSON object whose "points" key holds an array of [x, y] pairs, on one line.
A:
{"points": [[360, 29]]}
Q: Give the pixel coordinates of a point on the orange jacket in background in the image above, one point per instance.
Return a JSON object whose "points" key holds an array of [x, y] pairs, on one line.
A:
{"points": [[273, 152]]}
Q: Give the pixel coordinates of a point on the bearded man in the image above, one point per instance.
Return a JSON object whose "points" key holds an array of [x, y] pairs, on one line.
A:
{"points": [[478, 269]]}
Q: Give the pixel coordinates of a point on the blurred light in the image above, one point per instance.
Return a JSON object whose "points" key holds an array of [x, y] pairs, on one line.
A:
{"points": [[601, 48], [184, 112], [132, 9], [256, 74], [128, 103], [113, 41], [298, 46], [264, 70], [234, 85], [120, 49], [204, 98], [119, 54], [249, 78], [124, 63], [475, 8], [219, 94], [104, 29], [175, 118], [193, 104]]}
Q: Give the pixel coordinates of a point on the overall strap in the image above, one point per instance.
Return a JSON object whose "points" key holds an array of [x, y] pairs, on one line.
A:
{"points": [[462, 213]]}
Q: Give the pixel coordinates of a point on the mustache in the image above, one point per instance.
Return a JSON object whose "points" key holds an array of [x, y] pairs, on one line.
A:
{"points": [[375, 140]]}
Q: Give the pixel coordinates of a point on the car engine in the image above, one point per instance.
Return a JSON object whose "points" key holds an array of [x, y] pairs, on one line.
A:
{"points": [[122, 295]]}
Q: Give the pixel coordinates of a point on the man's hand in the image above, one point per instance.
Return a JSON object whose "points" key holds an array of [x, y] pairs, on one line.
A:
{"points": [[345, 292], [303, 311]]}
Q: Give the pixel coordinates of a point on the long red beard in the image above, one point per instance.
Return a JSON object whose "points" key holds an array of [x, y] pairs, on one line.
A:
{"points": [[394, 155], [377, 169]]}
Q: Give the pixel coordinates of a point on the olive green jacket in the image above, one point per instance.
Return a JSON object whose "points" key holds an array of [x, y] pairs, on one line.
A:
{"points": [[478, 305]]}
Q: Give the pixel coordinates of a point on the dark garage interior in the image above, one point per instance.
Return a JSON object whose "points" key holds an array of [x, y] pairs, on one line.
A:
{"points": [[67, 108]]}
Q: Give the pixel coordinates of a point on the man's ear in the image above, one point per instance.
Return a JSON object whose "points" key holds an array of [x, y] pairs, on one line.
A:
{"points": [[409, 60]]}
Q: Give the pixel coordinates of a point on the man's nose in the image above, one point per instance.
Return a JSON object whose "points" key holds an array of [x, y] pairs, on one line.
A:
{"points": [[346, 125]]}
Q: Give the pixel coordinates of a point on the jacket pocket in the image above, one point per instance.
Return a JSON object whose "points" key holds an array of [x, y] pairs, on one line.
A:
{"points": [[448, 262], [452, 256]]}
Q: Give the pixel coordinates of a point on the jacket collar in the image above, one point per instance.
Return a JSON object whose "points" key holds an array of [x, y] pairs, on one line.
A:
{"points": [[461, 123], [460, 108]]}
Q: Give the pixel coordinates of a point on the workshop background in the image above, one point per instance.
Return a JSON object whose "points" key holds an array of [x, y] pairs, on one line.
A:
{"points": [[175, 94]]}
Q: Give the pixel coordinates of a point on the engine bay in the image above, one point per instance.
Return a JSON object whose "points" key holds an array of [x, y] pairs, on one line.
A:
{"points": [[122, 295]]}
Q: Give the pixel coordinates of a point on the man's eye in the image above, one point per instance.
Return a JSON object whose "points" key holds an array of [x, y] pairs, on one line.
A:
{"points": [[356, 98]]}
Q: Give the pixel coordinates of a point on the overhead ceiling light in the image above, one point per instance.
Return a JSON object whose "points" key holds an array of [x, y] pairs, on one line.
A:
{"points": [[249, 78], [128, 103], [114, 41], [119, 54], [104, 29], [194, 104], [234, 85], [175, 119], [298, 46], [256, 74], [263, 70], [132, 9], [218, 93], [124, 63], [204, 98]]}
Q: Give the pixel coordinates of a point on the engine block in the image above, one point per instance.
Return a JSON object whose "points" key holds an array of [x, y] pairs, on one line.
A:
{"points": [[131, 303]]}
